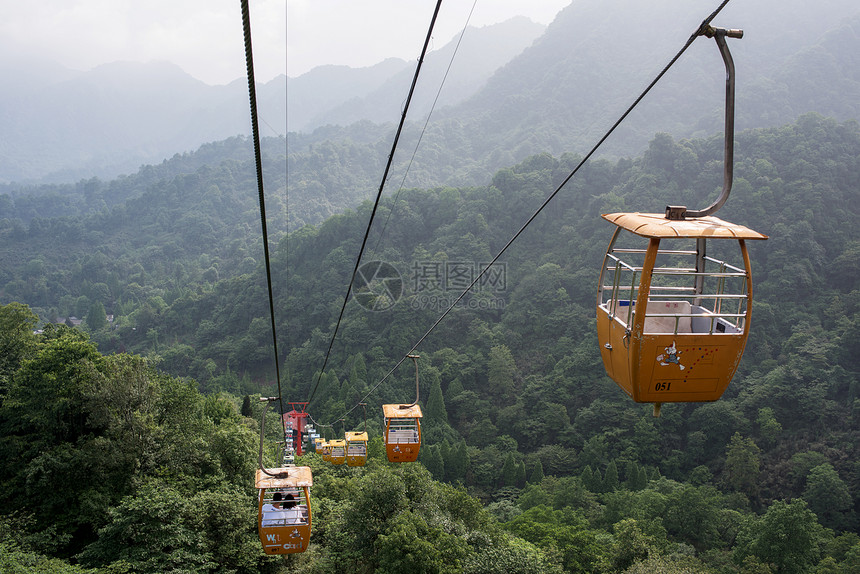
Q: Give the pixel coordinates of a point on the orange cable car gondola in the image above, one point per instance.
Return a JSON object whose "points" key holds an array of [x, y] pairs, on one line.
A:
{"points": [[338, 451], [402, 427], [673, 320], [284, 502], [402, 432], [284, 509], [325, 450], [356, 448]]}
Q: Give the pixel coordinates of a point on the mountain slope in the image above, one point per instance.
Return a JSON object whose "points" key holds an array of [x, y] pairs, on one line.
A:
{"points": [[567, 89]]}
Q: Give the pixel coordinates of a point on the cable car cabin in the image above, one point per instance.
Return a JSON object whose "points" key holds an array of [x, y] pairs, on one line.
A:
{"points": [[356, 448], [402, 432], [338, 451], [284, 509], [325, 450], [672, 319]]}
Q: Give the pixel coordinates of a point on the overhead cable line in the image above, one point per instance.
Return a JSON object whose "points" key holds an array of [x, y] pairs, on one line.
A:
{"points": [[700, 31], [255, 132], [424, 129], [378, 197]]}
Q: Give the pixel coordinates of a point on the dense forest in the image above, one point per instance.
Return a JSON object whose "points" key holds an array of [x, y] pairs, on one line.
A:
{"points": [[128, 445]]}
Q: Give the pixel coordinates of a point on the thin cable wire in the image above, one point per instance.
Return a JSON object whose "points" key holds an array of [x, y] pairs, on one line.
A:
{"points": [[378, 197], [424, 129], [255, 131], [699, 31]]}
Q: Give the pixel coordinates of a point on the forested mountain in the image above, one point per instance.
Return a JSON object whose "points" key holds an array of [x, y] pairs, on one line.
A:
{"points": [[563, 92], [573, 476]]}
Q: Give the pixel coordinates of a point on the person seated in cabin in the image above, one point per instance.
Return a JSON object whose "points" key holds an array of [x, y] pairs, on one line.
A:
{"points": [[292, 513], [274, 514]]}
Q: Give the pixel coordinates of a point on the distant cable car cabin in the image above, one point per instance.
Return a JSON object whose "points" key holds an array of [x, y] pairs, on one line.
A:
{"points": [[402, 426], [672, 317], [338, 451], [356, 448], [402, 432], [324, 449], [284, 509]]}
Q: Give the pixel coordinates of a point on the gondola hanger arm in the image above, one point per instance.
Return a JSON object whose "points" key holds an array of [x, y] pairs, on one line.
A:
{"points": [[414, 358], [720, 35]]}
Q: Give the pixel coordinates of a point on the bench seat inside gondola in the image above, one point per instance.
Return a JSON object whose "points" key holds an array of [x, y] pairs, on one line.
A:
{"points": [[661, 317]]}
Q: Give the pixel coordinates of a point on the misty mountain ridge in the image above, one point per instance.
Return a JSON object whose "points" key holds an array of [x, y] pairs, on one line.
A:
{"points": [[118, 116], [476, 56], [555, 91], [60, 125]]}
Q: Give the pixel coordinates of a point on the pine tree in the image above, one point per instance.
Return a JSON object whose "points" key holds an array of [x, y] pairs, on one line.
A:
{"points": [[435, 411], [459, 463], [347, 392], [631, 475], [610, 478], [521, 475], [431, 458], [641, 479], [742, 465], [447, 458], [587, 477], [537, 474], [358, 373], [246, 407], [509, 472]]}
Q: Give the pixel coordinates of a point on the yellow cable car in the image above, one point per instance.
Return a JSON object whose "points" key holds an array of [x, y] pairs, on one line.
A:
{"points": [[356, 448], [338, 451], [284, 509], [672, 322], [402, 432], [325, 450], [673, 318]]}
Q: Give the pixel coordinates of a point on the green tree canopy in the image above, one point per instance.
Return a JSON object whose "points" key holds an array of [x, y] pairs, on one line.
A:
{"points": [[787, 536]]}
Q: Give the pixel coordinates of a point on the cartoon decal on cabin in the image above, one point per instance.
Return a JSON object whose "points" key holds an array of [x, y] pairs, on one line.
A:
{"points": [[671, 356]]}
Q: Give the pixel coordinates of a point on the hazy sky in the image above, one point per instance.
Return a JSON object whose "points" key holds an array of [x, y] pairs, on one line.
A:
{"points": [[204, 37]]}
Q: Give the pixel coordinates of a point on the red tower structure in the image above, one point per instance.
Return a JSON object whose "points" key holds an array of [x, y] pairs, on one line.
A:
{"points": [[295, 421]]}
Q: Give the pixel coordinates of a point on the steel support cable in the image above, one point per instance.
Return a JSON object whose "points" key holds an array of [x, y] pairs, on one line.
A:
{"points": [[424, 129], [255, 132], [378, 197], [699, 31]]}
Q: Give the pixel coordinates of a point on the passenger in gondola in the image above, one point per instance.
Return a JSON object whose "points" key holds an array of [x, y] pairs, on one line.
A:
{"points": [[292, 513], [274, 514]]}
